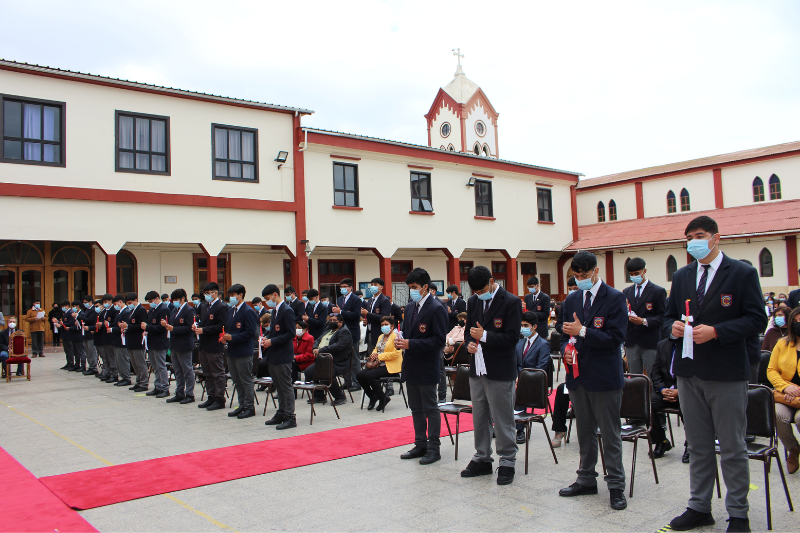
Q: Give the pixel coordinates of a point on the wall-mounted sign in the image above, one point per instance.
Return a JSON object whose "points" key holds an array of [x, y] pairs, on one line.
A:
{"points": [[170, 279]]}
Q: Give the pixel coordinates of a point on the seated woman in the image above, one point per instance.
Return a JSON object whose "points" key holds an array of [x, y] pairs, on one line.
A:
{"points": [[303, 349], [391, 360], [456, 335], [336, 341], [778, 329], [784, 365]]}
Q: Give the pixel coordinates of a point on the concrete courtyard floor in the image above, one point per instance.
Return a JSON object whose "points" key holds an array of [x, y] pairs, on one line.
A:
{"points": [[64, 422]]}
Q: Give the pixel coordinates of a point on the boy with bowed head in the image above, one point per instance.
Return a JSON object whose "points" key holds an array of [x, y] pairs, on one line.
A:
{"points": [[280, 356], [181, 344], [212, 318], [239, 336]]}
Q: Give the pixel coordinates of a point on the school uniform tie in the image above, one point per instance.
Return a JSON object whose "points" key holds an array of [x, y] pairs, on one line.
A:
{"points": [[527, 348], [701, 287], [586, 306], [638, 292]]}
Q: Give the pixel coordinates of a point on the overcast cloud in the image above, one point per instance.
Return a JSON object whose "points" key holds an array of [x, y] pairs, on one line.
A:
{"points": [[594, 87]]}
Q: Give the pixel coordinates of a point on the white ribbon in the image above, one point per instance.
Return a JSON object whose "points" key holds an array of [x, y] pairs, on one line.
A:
{"points": [[688, 338], [480, 365]]}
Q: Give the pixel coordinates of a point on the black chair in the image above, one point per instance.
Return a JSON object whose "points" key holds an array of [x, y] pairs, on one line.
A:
{"points": [[555, 350], [762, 369], [323, 371], [672, 411], [460, 392], [340, 379], [761, 423], [392, 379], [636, 393], [268, 393], [532, 394], [460, 357]]}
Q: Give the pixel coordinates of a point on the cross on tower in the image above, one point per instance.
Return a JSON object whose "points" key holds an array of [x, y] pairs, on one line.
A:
{"points": [[457, 53]]}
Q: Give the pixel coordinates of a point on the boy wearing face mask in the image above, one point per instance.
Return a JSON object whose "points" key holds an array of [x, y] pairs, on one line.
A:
{"points": [[455, 305], [537, 302], [377, 307], [181, 344], [298, 306], [99, 333], [102, 339], [134, 341], [532, 352], [316, 314], [66, 338], [280, 341], [36, 328], [348, 305], [239, 336], [212, 317], [88, 318], [115, 323], [76, 335], [157, 343], [647, 302]]}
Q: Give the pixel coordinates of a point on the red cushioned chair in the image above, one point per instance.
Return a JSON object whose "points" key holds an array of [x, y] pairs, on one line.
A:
{"points": [[18, 355]]}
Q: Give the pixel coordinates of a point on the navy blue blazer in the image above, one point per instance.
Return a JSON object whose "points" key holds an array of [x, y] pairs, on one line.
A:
{"points": [[100, 338], [426, 337], [539, 306], [156, 333], [733, 305], [282, 333], [123, 315], [383, 307], [599, 357], [351, 314], [538, 355], [298, 306], [502, 323], [89, 318], [243, 328], [650, 305], [134, 333], [211, 319], [317, 318], [454, 307], [181, 338]]}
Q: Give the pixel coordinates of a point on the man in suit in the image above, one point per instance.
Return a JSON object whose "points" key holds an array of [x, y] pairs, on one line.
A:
{"points": [[538, 303], [87, 316], [348, 305], [494, 319], [100, 339], [134, 341], [280, 356], [377, 307], [647, 302], [239, 336], [115, 327], [455, 305], [336, 341], [157, 343], [315, 314], [726, 307], [181, 344], [424, 330], [110, 369], [532, 351], [665, 393], [76, 334], [213, 317], [794, 298], [596, 316], [297, 305]]}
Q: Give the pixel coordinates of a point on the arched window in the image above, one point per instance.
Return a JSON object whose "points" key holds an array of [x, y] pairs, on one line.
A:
{"points": [[671, 206], [20, 253], [71, 255], [126, 272], [672, 266], [477, 149], [601, 212], [451, 148], [442, 147], [758, 190], [612, 210], [765, 263], [486, 151], [774, 187], [445, 130], [685, 206]]}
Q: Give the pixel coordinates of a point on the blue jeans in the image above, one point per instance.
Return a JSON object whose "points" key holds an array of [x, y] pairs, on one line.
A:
{"points": [[4, 358]]}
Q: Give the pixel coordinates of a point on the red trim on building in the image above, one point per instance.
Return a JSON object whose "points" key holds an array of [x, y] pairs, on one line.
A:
{"points": [[545, 222], [484, 218], [718, 200], [481, 175], [609, 277], [542, 184], [300, 272], [349, 157], [347, 207], [429, 136], [111, 273], [639, 200], [475, 100], [463, 130], [791, 259], [442, 98], [420, 167], [573, 196], [512, 276], [426, 213]]}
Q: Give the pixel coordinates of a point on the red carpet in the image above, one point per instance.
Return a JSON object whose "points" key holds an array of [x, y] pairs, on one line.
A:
{"points": [[114, 484], [29, 506]]}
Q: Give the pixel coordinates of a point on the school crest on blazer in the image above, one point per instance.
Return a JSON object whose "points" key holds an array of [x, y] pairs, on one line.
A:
{"points": [[211, 316], [498, 323], [277, 327], [180, 320], [238, 325], [598, 322], [726, 300], [648, 306], [423, 328], [154, 321]]}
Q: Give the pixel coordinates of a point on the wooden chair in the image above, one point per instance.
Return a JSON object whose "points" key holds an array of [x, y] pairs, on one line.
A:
{"points": [[17, 355], [460, 392], [323, 371], [532, 394]]}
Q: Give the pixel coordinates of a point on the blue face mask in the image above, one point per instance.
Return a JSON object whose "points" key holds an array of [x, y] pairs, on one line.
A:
{"points": [[106, 305], [386, 329], [343, 291], [75, 309], [209, 298], [780, 321], [584, 284], [196, 302], [259, 308], [270, 304], [234, 300], [64, 309], [131, 306], [266, 328], [288, 298], [374, 289], [305, 299], [415, 295], [533, 290], [485, 296], [98, 309], [87, 305], [449, 295], [526, 332], [698, 248], [637, 279], [118, 308], [176, 304], [324, 303]]}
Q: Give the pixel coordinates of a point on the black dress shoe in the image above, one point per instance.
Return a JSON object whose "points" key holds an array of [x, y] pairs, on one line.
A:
{"points": [[217, 405], [685, 458], [287, 424], [372, 403], [354, 388], [246, 413], [163, 394], [415, 452], [577, 490], [477, 469], [153, 392], [111, 379], [101, 376], [430, 458], [505, 475], [658, 451], [66, 367], [340, 401], [691, 519], [383, 403], [618, 501], [738, 524], [206, 403], [274, 421], [175, 399], [79, 369], [236, 411], [520, 436], [139, 388], [90, 372], [188, 399], [122, 383]]}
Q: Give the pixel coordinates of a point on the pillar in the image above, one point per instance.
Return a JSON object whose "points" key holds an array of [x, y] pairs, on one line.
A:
{"points": [[384, 271], [573, 197], [718, 199], [454, 272], [111, 273], [211, 262], [791, 259], [512, 276], [639, 200], [610, 268], [300, 280]]}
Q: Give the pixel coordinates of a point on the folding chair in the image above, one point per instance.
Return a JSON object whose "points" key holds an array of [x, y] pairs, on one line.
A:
{"points": [[460, 392], [555, 350], [460, 357], [532, 394], [267, 393], [323, 371]]}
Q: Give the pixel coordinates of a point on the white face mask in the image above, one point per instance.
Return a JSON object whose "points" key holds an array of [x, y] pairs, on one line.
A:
{"points": [[299, 332], [12, 325]]}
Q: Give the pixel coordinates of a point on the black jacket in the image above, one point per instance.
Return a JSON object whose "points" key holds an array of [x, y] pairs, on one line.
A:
{"points": [[382, 308], [181, 338], [340, 347], [397, 313], [662, 377], [502, 322], [72, 326], [734, 305], [351, 314], [651, 305], [212, 319], [539, 306], [243, 328], [87, 317], [156, 333], [454, 307], [282, 333], [425, 333], [98, 328], [794, 299], [133, 335], [316, 318], [114, 320], [298, 306]]}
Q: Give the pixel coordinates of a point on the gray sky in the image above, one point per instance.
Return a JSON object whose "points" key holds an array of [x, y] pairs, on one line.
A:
{"points": [[595, 87]]}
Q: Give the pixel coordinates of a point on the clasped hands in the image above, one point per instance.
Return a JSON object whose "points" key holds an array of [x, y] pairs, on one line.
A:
{"points": [[700, 333]]}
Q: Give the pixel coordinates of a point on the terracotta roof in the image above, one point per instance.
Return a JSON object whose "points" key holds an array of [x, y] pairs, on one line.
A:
{"points": [[747, 220], [691, 164]]}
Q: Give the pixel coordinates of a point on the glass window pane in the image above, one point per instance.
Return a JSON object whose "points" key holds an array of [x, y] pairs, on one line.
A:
{"points": [[249, 172], [202, 262], [234, 146], [31, 288], [142, 134], [12, 119], [142, 161], [125, 160], [60, 286], [32, 121], [33, 152], [323, 268], [159, 163], [52, 123], [159, 136], [221, 145], [126, 133], [52, 153], [338, 198], [350, 199], [248, 146], [8, 292], [12, 149], [221, 168], [235, 170], [338, 177], [415, 204], [350, 178], [336, 268], [426, 205]]}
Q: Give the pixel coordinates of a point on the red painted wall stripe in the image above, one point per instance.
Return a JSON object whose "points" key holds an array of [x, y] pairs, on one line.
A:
{"points": [[639, 200], [791, 259], [718, 200]]}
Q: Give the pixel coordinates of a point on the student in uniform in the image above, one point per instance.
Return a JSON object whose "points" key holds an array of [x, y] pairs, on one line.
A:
{"points": [[241, 333], [99, 337], [280, 356], [348, 305], [647, 301], [316, 314], [596, 315], [532, 352], [76, 335], [88, 319], [115, 325], [297, 305], [107, 316], [424, 330], [377, 307], [157, 343], [181, 345], [538, 303], [213, 317], [726, 307], [494, 322], [571, 287], [258, 307], [65, 336], [134, 341], [455, 305]]}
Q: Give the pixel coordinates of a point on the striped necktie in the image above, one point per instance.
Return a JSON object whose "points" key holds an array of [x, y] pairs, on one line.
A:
{"points": [[587, 305], [701, 287]]}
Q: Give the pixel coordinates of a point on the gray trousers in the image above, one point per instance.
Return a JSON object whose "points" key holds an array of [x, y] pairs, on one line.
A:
{"points": [[68, 353], [102, 360], [79, 351], [37, 342], [91, 354], [282, 381], [593, 410], [139, 366], [123, 361], [716, 410], [184, 374], [425, 414], [640, 358], [785, 417], [158, 360], [110, 360], [493, 401], [241, 373]]}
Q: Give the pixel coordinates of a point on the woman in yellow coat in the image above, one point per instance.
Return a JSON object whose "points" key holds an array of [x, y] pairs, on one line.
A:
{"points": [[784, 365], [391, 362]]}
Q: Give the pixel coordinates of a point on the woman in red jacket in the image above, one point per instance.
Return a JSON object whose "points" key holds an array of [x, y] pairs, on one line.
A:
{"points": [[303, 346]]}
